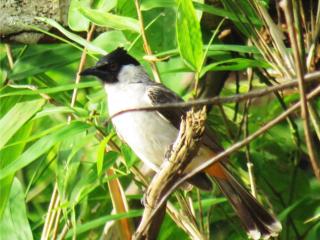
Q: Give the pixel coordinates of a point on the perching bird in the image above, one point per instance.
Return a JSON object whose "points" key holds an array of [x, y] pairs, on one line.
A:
{"points": [[150, 133]]}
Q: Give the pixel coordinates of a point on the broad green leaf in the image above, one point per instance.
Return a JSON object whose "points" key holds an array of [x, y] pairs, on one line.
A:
{"points": [[74, 37], [42, 146], [110, 40], [105, 5], [189, 35], [76, 21], [71, 151], [103, 220], [14, 224], [43, 60], [106, 19], [235, 64], [9, 154], [16, 117]]}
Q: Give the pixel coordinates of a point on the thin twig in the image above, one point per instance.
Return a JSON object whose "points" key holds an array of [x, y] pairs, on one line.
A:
{"points": [[219, 100], [287, 7], [200, 210], [9, 55], [233, 148], [49, 212], [146, 46], [80, 69], [246, 134]]}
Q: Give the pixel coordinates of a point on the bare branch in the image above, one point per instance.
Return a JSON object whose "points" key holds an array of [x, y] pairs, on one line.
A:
{"points": [[237, 146], [179, 156], [220, 100]]}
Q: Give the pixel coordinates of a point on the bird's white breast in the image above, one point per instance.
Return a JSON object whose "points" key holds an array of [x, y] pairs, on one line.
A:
{"points": [[147, 133]]}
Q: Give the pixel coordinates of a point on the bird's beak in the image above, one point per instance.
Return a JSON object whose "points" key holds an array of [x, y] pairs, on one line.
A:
{"points": [[90, 71]]}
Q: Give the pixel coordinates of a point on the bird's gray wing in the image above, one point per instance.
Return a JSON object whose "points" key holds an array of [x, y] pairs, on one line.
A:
{"points": [[158, 94]]}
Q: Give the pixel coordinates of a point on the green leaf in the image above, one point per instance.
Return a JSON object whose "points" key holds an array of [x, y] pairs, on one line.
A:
{"points": [[150, 4], [14, 224], [42, 146], [220, 48], [283, 215], [106, 19], [225, 13], [76, 21], [8, 155], [128, 155], [189, 35], [235, 64], [110, 40], [43, 60], [16, 117], [63, 88], [105, 5], [101, 151], [72, 36], [103, 220]]}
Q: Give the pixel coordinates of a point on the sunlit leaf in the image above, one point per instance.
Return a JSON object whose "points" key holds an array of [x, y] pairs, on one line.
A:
{"points": [[235, 64], [32, 63], [101, 221], [76, 21], [14, 224], [16, 117], [189, 35], [106, 19], [42, 146], [81, 41]]}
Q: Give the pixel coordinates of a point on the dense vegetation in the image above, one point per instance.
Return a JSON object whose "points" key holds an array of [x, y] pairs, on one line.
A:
{"points": [[57, 179]]}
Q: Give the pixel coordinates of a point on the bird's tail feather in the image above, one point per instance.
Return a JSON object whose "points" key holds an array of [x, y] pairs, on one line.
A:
{"points": [[256, 220]]}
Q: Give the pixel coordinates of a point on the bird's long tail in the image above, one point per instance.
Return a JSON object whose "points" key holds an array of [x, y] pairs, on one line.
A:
{"points": [[255, 219]]}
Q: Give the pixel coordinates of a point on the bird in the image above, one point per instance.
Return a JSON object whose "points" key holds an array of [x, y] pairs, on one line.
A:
{"points": [[150, 133]]}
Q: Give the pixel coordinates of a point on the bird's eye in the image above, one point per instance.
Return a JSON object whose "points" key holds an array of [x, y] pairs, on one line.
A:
{"points": [[113, 67]]}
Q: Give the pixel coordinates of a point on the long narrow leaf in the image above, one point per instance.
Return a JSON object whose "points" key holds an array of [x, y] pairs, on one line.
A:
{"points": [[16, 117], [42, 146], [106, 19]]}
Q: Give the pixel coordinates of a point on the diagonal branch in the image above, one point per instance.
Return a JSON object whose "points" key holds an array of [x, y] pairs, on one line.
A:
{"points": [[236, 146], [178, 157], [220, 100]]}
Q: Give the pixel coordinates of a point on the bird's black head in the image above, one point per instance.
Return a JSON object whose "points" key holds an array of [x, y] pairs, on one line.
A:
{"points": [[109, 66]]}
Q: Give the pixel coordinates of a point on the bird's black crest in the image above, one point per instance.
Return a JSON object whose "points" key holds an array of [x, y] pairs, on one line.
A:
{"points": [[109, 66], [119, 56]]}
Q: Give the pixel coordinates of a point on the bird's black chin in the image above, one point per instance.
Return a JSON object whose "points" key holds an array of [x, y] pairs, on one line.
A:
{"points": [[102, 75]]}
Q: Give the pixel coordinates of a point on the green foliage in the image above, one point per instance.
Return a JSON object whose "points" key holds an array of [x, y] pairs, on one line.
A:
{"points": [[14, 224], [189, 36], [40, 147]]}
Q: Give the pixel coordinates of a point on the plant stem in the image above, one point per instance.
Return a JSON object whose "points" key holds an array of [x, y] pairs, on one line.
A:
{"points": [[287, 7], [146, 45]]}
